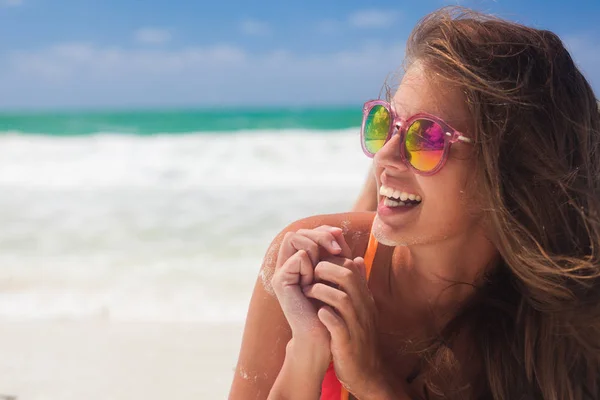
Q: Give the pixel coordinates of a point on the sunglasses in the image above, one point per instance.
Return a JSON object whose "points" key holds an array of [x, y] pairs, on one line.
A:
{"points": [[425, 140]]}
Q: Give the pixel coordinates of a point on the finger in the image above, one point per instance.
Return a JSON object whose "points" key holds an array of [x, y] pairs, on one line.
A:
{"points": [[355, 274], [342, 274], [336, 326], [367, 295], [338, 234], [324, 238], [362, 267], [299, 310], [293, 242], [297, 270], [335, 298], [348, 276]]}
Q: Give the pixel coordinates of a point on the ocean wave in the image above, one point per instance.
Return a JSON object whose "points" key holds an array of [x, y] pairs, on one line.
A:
{"points": [[249, 160], [161, 228]]}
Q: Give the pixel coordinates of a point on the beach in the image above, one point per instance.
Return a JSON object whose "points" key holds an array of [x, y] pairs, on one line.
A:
{"points": [[128, 256], [118, 361]]}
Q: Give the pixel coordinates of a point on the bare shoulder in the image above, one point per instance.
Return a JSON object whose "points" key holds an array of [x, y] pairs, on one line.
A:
{"points": [[267, 332]]}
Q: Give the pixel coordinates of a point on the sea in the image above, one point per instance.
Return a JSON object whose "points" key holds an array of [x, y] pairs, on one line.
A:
{"points": [[160, 215]]}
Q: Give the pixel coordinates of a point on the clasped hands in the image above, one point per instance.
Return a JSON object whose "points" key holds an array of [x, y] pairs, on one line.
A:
{"points": [[326, 300]]}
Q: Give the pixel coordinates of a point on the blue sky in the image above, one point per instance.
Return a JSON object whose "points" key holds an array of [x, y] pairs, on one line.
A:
{"points": [[133, 54]]}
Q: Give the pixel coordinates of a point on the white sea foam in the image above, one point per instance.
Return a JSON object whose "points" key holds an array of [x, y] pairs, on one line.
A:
{"points": [[160, 228]]}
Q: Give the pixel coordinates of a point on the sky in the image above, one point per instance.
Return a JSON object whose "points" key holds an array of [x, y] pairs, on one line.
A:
{"points": [[126, 54]]}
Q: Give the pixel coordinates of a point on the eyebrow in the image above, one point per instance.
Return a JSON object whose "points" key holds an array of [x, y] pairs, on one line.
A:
{"points": [[398, 107], [455, 123]]}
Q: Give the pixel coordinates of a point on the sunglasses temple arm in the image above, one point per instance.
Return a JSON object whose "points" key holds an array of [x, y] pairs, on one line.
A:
{"points": [[457, 136]]}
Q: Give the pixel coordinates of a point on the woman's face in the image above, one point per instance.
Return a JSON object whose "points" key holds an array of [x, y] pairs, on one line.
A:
{"points": [[448, 210]]}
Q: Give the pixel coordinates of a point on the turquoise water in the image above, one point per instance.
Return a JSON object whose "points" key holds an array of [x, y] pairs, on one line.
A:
{"points": [[180, 121]]}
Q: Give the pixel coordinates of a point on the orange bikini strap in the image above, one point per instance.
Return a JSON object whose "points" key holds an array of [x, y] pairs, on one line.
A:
{"points": [[370, 253], [369, 258]]}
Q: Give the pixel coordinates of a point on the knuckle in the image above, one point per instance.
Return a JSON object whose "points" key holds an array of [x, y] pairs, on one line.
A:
{"points": [[275, 279], [321, 265], [344, 300], [328, 236], [318, 271], [313, 247], [303, 256], [321, 230], [288, 236], [346, 274], [291, 261]]}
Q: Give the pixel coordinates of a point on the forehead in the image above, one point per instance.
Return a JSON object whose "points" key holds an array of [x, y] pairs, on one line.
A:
{"points": [[419, 92]]}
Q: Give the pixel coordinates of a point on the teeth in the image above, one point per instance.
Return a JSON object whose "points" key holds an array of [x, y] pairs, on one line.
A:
{"points": [[398, 195], [386, 191], [393, 203], [390, 203]]}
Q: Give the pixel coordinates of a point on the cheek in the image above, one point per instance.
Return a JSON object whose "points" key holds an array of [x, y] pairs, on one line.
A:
{"points": [[445, 213], [450, 204]]}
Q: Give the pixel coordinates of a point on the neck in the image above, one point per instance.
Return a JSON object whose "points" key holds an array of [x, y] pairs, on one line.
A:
{"points": [[434, 280]]}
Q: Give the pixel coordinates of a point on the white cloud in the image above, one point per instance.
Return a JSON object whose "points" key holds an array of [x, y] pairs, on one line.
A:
{"points": [[154, 36], [253, 27], [372, 18], [11, 3], [84, 75]]}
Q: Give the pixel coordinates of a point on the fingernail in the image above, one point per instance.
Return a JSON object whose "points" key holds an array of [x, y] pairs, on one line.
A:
{"points": [[335, 245]]}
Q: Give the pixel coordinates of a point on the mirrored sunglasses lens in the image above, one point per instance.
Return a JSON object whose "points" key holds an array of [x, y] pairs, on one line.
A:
{"points": [[377, 126], [424, 144]]}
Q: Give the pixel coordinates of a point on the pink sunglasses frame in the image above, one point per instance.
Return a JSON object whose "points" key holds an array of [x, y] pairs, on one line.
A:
{"points": [[401, 125]]}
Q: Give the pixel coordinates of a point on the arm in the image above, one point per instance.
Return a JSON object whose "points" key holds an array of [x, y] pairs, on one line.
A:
{"points": [[266, 335], [367, 200], [300, 377]]}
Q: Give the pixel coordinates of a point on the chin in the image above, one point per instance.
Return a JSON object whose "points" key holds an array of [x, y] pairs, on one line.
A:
{"points": [[386, 235]]}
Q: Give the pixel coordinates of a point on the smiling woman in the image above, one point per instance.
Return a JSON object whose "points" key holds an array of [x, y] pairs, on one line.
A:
{"points": [[479, 275]]}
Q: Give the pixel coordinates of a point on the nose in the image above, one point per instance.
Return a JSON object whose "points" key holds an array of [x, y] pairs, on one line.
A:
{"points": [[389, 156]]}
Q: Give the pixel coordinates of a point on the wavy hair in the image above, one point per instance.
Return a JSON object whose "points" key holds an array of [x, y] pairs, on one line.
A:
{"points": [[536, 320]]}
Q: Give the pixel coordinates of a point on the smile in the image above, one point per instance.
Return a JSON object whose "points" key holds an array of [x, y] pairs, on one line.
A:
{"points": [[398, 198]]}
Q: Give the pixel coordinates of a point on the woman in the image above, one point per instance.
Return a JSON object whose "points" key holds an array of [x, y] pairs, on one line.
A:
{"points": [[479, 275]]}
